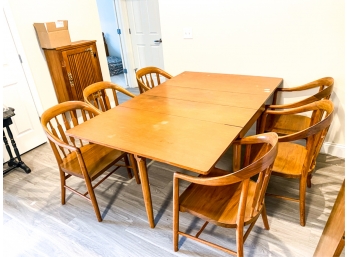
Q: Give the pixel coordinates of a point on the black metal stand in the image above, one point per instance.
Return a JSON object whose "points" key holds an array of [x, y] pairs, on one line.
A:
{"points": [[16, 161]]}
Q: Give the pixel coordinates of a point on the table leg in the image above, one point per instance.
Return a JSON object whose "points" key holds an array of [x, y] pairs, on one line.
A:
{"points": [[146, 188], [236, 156]]}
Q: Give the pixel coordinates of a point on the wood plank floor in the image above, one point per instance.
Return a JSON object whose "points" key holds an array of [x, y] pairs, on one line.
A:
{"points": [[36, 224]]}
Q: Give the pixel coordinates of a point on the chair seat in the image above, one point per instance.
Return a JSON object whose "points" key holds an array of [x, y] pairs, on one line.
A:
{"points": [[290, 160], [97, 159], [217, 204], [287, 124]]}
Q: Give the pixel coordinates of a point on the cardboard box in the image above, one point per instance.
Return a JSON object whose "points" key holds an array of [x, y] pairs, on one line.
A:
{"points": [[53, 34]]}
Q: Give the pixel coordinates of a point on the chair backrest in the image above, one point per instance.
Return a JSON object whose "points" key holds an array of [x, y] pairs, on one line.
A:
{"points": [[60, 118], [149, 77], [260, 153], [319, 124], [98, 94], [315, 134], [324, 85]]}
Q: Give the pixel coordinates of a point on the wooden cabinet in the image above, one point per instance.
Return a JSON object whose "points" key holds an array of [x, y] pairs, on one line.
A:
{"points": [[73, 68]]}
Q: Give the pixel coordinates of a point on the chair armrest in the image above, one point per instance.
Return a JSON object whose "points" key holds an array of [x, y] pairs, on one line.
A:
{"points": [[313, 84], [220, 177], [142, 85], [126, 92], [165, 74], [206, 180], [61, 143]]}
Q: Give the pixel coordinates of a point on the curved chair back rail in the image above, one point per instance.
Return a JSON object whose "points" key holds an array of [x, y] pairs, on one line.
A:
{"points": [[321, 84], [97, 94], [231, 200], [149, 77]]}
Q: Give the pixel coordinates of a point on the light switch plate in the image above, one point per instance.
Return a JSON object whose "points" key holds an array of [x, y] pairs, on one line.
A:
{"points": [[188, 33]]}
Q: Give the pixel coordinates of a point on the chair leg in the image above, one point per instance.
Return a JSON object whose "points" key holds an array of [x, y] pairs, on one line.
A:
{"points": [[264, 217], [175, 214], [303, 187], [134, 168], [309, 182], [175, 231], [93, 198], [62, 186], [126, 161], [258, 122], [239, 240]]}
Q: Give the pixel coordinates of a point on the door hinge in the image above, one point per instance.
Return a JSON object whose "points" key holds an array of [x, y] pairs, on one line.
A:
{"points": [[130, 31], [125, 71], [119, 31], [20, 58]]}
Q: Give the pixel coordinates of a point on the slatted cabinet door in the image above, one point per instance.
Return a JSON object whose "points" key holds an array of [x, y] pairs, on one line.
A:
{"points": [[83, 69], [73, 68]]}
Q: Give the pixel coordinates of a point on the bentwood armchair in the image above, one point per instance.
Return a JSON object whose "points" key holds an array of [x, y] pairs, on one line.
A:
{"points": [[77, 158], [97, 95], [149, 77], [296, 160], [230, 200], [288, 124]]}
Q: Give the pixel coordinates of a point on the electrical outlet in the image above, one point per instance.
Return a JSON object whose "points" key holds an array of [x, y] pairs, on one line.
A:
{"points": [[188, 33]]}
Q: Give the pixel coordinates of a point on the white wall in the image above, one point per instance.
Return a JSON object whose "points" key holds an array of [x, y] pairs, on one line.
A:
{"points": [[83, 25], [106, 10], [299, 41]]}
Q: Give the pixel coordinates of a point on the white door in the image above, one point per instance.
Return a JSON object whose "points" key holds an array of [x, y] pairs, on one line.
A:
{"points": [[26, 127], [145, 29]]}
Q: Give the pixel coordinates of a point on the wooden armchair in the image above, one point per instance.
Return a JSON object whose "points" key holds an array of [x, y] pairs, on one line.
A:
{"points": [[231, 200], [288, 124], [295, 160], [77, 158], [97, 95], [149, 77]]}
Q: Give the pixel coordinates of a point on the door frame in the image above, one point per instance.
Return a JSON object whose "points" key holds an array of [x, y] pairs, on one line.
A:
{"points": [[20, 50], [126, 41]]}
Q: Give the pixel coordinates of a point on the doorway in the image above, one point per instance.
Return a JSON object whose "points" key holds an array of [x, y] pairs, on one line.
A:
{"points": [[112, 42], [140, 42], [145, 28]]}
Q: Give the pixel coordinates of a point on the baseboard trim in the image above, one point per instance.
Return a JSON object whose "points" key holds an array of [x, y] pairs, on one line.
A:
{"points": [[337, 150]]}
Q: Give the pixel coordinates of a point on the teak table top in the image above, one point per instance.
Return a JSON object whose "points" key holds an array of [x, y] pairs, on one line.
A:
{"points": [[251, 101], [245, 84], [183, 142], [224, 114]]}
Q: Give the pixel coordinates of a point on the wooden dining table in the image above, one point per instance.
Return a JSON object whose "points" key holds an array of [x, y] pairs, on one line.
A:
{"points": [[188, 121]]}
